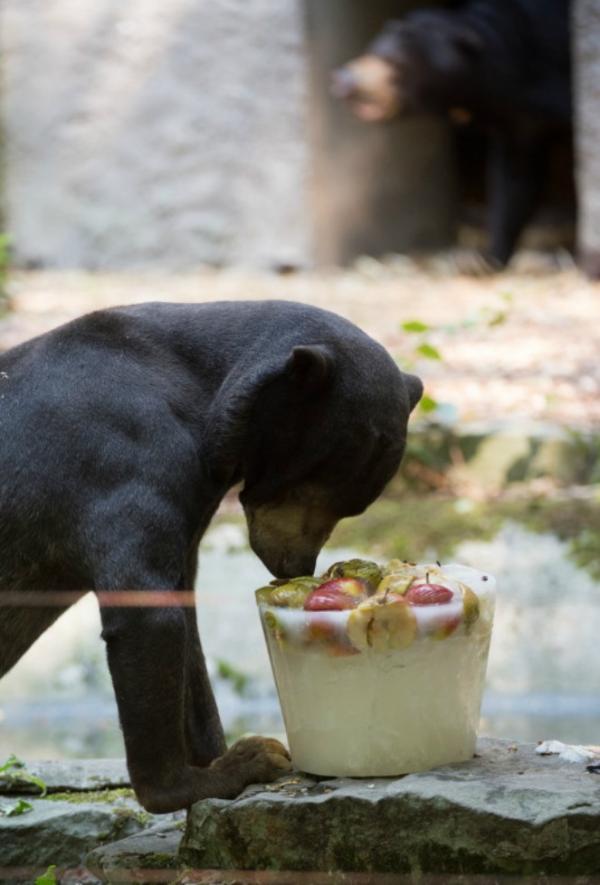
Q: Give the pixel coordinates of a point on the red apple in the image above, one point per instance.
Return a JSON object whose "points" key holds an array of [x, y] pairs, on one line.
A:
{"points": [[324, 632], [337, 595], [428, 594], [447, 628]]}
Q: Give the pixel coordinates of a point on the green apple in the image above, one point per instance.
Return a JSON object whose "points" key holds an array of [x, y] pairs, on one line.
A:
{"points": [[364, 569]]}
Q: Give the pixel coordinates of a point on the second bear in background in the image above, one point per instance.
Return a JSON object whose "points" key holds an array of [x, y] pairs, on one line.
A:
{"points": [[505, 64]]}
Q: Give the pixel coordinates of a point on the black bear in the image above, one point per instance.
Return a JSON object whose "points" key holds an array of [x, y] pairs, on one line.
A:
{"points": [[121, 433], [505, 63]]}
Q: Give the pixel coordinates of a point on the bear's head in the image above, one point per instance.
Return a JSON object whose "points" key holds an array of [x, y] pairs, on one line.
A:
{"points": [[318, 434], [419, 63]]}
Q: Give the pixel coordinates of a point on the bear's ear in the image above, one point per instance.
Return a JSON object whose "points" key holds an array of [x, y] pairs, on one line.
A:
{"points": [[414, 386], [468, 41], [454, 47], [310, 366]]}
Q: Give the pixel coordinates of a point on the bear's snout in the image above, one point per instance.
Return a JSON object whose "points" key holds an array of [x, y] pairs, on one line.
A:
{"points": [[344, 83], [370, 86], [288, 537]]}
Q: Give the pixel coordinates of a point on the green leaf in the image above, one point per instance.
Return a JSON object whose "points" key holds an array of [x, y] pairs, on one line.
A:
{"points": [[498, 318], [238, 679], [33, 779], [48, 878], [427, 404], [415, 326], [14, 771], [11, 762], [429, 351], [18, 807]]}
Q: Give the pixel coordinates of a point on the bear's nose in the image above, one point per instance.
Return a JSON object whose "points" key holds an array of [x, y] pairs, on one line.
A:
{"points": [[344, 84], [291, 565]]}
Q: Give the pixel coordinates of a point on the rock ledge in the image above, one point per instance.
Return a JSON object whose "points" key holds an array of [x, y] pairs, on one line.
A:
{"points": [[508, 811]]}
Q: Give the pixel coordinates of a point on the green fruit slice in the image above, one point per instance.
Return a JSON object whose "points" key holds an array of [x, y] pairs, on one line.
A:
{"points": [[289, 595], [400, 567], [395, 583], [356, 568], [263, 595], [471, 607], [274, 626]]}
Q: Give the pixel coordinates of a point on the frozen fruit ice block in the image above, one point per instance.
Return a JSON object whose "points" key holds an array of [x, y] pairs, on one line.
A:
{"points": [[380, 674]]}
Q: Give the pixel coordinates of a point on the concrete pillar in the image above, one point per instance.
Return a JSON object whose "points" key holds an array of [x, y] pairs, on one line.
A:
{"points": [[586, 62]]}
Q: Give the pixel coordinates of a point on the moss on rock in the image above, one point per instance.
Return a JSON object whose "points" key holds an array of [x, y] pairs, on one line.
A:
{"points": [[84, 796]]}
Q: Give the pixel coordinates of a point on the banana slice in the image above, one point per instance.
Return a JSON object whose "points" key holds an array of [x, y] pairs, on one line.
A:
{"points": [[395, 583], [400, 568], [357, 625], [382, 626]]}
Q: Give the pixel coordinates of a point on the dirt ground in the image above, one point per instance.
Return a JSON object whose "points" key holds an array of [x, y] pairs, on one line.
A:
{"points": [[520, 346]]}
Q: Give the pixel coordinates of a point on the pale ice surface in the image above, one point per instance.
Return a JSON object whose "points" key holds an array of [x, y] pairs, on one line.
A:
{"points": [[380, 712]]}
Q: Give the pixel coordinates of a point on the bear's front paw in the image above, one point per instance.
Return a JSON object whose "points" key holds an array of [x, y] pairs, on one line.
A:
{"points": [[254, 760]]}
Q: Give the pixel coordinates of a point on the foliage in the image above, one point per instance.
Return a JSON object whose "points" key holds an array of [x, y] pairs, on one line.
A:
{"points": [[427, 404], [575, 521], [86, 796], [432, 524], [239, 680], [487, 317], [14, 771], [428, 351], [423, 349], [414, 326], [18, 807], [435, 524], [48, 878]]}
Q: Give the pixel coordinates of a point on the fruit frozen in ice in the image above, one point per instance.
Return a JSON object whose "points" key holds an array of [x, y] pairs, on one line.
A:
{"points": [[274, 626], [382, 625], [447, 626], [263, 595], [428, 594], [399, 567], [415, 670], [356, 568], [337, 595], [359, 622], [328, 635], [395, 584], [290, 594], [470, 606], [394, 626]]}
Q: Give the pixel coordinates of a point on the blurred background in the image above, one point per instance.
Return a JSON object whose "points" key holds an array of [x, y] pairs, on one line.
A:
{"points": [[195, 151]]}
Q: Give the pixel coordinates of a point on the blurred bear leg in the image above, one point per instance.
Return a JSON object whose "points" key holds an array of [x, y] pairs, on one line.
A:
{"points": [[515, 177]]}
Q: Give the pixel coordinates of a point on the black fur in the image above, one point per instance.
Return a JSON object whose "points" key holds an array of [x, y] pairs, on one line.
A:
{"points": [[121, 433]]}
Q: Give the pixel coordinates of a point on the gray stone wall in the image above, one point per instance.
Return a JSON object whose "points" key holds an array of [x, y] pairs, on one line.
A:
{"points": [[153, 133]]}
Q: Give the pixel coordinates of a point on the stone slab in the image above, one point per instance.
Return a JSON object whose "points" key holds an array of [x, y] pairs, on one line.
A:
{"points": [[63, 831], [71, 774], [508, 811], [88, 804], [152, 850]]}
